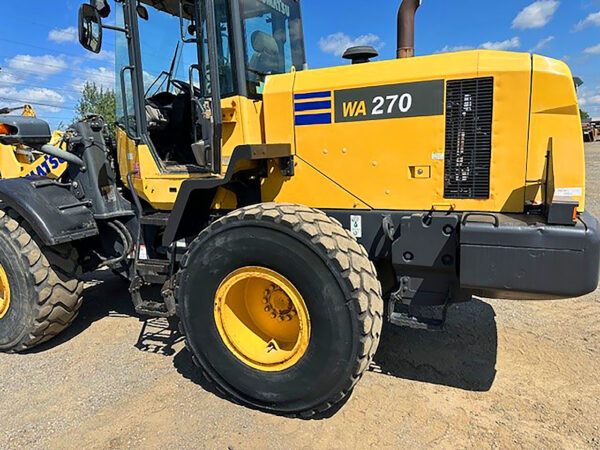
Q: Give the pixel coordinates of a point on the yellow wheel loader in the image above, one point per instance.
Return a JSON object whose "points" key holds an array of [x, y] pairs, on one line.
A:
{"points": [[22, 161], [283, 214]]}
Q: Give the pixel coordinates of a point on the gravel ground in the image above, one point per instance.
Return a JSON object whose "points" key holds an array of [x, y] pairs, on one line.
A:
{"points": [[505, 374]]}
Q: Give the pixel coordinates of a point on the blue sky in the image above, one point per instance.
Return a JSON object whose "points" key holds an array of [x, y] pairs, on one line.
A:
{"points": [[43, 64]]}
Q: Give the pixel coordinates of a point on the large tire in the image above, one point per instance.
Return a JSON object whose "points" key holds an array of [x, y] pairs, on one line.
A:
{"points": [[45, 290], [334, 276]]}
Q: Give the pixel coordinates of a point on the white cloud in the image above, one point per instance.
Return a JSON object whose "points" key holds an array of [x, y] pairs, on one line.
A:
{"points": [[536, 15], [502, 45], [456, 48], [61, 36], [42, 66], [337, 43], [595, 50], [592, 19], [46, 99], [104, 55], [104, 77], [542, 44], [9, 77]]}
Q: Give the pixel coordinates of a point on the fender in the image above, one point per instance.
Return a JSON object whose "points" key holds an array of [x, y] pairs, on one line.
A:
{"points": [[50, 208], [196, 195]]}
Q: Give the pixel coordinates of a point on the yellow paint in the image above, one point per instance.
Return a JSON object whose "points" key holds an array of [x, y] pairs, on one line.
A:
{"points": [[262, 319], [555, 128], [307, 187], [4, 293], [159, 185], [420, 172], [369, 159], [393, 164], [19, 161]]}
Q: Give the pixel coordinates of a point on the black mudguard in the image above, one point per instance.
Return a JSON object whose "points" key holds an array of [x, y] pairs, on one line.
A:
{"points": [[195, 197], [53, 212]]}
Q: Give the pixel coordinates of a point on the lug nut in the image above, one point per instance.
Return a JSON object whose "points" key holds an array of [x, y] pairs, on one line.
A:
{"points": [[267, 308], [273, 315]]}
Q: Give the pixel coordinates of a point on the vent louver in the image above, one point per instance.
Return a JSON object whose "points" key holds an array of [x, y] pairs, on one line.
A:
{"points": [[469, 110]]}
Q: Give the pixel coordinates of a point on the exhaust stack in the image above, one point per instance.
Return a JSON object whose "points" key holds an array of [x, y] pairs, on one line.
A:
{"points": [[406, 28]]}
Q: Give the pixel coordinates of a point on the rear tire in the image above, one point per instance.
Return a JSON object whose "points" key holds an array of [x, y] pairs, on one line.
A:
{"points": [[45, 291], [335, 279]]}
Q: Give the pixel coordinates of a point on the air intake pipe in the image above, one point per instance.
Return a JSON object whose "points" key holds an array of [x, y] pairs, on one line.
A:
{"points": [[406, 28]]}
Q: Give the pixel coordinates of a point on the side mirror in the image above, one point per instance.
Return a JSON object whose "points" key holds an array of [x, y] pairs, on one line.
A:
{"points": [[90, 28]]}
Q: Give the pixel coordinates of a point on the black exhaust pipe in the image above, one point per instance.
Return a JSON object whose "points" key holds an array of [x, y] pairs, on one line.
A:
{"points": [[406, 28]]}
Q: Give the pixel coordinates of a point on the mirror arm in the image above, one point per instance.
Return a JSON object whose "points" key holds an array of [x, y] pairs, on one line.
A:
{"points": [[111, 27]]}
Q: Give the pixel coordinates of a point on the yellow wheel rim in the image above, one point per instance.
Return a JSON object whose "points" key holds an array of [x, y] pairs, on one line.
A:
{"points": [[262, 319], [4, 293]]}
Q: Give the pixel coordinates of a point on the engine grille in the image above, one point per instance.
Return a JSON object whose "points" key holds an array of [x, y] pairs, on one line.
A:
{"points": [[469, 110]]}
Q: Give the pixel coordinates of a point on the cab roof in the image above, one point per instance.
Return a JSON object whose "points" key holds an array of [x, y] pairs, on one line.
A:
{"points": [[168, 6]]}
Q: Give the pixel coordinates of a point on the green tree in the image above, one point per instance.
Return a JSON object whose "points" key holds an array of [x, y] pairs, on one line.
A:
{"points": [[97, 100], [584, 115]]}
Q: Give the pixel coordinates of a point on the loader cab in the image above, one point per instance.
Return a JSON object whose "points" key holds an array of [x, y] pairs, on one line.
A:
{"points": [[179, 61]]}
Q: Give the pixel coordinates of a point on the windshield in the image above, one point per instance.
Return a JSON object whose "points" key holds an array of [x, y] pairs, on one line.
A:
{"points": [[273, 39]]}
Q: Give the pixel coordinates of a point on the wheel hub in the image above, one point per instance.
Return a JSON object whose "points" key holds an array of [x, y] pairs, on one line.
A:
{"points": [[4, 293], [262, 319], [278, 304]]}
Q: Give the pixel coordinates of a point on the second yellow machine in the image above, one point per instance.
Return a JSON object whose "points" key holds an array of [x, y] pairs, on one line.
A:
{"points": [[283, 214]]}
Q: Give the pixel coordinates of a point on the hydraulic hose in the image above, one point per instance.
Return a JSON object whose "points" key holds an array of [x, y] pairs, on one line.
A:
{"points": [[65, 156]]}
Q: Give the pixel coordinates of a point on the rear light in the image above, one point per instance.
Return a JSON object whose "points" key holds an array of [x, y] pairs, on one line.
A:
{"points": [[5, 129]]}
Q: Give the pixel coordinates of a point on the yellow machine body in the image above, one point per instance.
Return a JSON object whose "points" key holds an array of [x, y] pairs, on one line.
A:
{"points": [[398, 163], [18, 161]]}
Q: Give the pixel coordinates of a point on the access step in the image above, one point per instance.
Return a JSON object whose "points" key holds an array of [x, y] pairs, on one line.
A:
{"points": [[153, 271], [159, 219], [404, 320]]}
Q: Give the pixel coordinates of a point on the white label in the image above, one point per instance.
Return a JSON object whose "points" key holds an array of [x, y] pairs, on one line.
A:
{"points": [[130, 156], [356, 226], [568, 192], [181, 243], [437, 156], [143, 254]]}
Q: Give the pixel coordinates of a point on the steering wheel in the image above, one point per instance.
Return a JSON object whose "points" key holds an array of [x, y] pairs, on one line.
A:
{"points": [[186, 87]]}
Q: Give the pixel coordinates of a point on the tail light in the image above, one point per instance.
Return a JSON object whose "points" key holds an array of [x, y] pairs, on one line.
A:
{"points": [[6, 130]]}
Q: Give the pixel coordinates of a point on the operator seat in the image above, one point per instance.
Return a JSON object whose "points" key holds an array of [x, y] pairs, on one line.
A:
{"points": [[267, 56]]}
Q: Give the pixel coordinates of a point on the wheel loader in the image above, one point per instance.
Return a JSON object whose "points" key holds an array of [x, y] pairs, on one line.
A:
{"points": [[284, 214], [23, 161]]}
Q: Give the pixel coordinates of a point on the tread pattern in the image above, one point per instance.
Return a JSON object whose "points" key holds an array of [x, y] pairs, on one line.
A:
{"points": [[351, 261], [55, 275]]}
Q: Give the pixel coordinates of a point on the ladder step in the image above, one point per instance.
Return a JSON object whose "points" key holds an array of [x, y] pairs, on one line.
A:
{"points": [[404, 320], [160, 219], [154, 271]]}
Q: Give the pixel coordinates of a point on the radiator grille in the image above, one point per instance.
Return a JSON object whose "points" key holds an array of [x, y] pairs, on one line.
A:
{"points": [[469, 108]]}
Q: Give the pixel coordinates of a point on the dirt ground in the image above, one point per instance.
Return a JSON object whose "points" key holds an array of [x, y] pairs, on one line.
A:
{"points": [[505, 374]]}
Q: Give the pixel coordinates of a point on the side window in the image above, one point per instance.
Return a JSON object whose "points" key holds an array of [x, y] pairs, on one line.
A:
{"points": [[257, 30], [273, 40]]}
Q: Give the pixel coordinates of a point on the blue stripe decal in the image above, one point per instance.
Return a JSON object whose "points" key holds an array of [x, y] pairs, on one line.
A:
{"points": [[312, 95], [312, 106], [313, 119]]}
